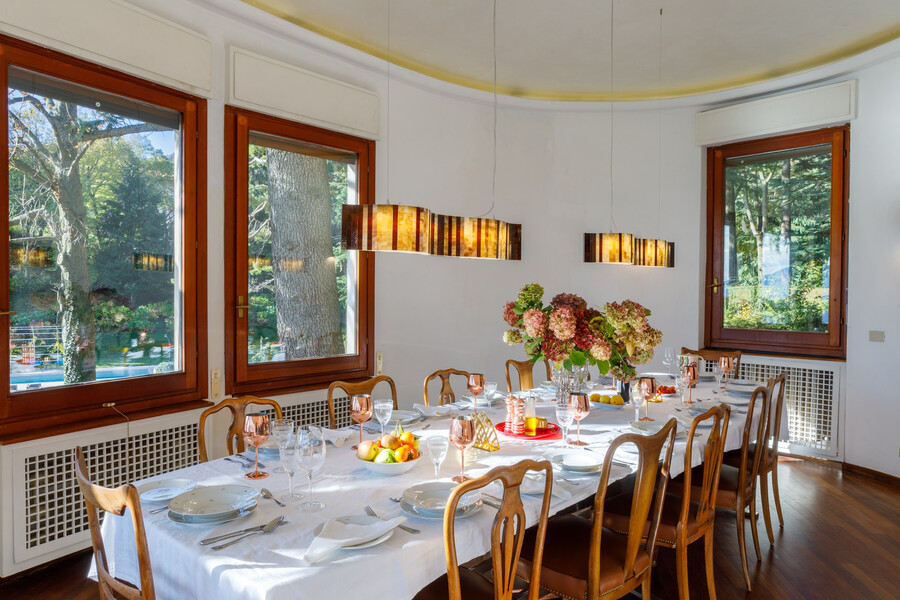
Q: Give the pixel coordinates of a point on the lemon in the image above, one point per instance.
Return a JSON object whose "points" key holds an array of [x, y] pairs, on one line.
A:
{"points": [[617, 400], [596, 398], [604, 399]]}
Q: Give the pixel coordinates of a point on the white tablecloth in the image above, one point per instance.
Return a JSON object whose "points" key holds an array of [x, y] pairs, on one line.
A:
{"points": [[270, 567]]}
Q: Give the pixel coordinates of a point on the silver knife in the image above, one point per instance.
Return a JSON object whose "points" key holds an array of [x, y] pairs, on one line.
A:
{"points": [[225, 536], [268, 527], [249, 460]]}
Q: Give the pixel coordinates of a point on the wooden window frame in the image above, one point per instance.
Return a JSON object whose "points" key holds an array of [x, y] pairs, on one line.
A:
{"points": [[52, 411], [274, 378], [832, 344]]}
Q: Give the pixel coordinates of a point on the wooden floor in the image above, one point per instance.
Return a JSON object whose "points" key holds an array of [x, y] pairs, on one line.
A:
{"points": [[841, 540]]}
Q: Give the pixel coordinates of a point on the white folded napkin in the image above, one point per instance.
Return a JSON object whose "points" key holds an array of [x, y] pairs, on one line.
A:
{"points": [[535, 487], [338, 437], [336, 535], [433, 411], [684, 424]]}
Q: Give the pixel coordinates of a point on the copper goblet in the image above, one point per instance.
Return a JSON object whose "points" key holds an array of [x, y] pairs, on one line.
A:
{"points": [[727, 365], [256, 431], [648, 388], [581, 406], [476, 386], [462, 435], [360, 412], [690, 375]]}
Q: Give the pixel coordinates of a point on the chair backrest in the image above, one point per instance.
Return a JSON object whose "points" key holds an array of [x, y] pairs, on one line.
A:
{"points": [[715, 355], [525, 370], [359, 387], [651, 475], [713, 454], [115, 501], [776, 407], [234, 435], [507, 530], [446, 396], [758, 420]]}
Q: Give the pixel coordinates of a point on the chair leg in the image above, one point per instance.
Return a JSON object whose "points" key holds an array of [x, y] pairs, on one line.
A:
{"points": [[754, 516], [710, 575], [764, 492], [681, 571], [645, 588], [742, 545], [775, 493]]}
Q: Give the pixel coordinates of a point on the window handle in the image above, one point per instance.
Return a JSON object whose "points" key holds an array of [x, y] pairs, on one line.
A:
{"points": [[241, 306], [8, 312], [715, 285]]}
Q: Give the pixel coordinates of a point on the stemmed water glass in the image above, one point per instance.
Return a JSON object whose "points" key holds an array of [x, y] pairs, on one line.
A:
{"points": [[719, 372], [383, 411], [437, 451], [690, 375], [475, 385], [282, 429], [360, 412], [727, 365], [565, 414], [462, 435], [637, 400], [669, 359], [489, 388], [256, 431], [311, 450], [581, 407], [290, 460]]}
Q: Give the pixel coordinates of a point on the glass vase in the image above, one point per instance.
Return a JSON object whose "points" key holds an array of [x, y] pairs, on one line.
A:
{"points": [[568, 380]]}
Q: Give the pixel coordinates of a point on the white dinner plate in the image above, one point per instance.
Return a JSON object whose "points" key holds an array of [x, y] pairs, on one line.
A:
{"points": [[481, 400], [605, 406], [417, 512], [707, 376], [430, 498], [213, 501], [164, 489], [576, 459], [651, 427], [405, 417], [548, 384], [737, 399], [741, 386], [358, 520], [206, 520], [269, 448]]}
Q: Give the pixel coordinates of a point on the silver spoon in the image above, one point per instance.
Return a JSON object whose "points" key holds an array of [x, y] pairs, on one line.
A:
{"points": [[271, 526], [267, 494]]}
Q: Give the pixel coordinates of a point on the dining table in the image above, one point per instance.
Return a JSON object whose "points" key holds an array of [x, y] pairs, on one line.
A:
{"points": [[272, 566]]}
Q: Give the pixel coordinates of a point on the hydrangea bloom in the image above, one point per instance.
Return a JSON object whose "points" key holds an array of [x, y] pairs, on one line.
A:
{"points": [[557, 350], [512, 337], [562, 323], [509, 314], [601, 350], [535, 323], [568, 301], [530, 296]]}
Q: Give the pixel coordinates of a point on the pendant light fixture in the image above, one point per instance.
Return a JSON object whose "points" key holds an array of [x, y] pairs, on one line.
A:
{"points": [[386, 227], [656, 253], [610, 247]]}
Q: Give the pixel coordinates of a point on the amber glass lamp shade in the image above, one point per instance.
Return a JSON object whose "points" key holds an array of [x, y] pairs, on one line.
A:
{"points": [[473, 237], [385, 227], [608, 248]]}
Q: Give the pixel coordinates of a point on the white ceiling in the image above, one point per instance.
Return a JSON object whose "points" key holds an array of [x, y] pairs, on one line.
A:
{"points": [[560, 49]]}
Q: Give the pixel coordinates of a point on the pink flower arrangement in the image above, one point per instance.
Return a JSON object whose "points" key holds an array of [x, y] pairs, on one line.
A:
{"points": [[568, 332]]}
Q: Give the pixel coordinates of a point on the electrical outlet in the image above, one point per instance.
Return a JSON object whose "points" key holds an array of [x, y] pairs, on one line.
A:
{"points": [[876, 336], [379, 363], [215, 385]]}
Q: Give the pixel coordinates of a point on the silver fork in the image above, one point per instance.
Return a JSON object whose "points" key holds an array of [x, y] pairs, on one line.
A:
{"points": [[371, 513]]}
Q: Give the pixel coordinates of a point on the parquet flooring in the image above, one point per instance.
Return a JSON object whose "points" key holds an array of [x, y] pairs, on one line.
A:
{"points": [[841, 541]]}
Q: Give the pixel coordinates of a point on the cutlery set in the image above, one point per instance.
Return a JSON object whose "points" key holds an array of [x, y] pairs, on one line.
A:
{"points": [[244, 461]]}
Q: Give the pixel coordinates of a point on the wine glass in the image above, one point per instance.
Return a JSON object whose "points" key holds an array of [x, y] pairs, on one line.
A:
{"points": [[637, 400], [719, 372], [690, 375], [437, 451], [581, 408], [383, 410], [727, 364], [311, 450], [476, 386], [282, 429], [648, 389], [565, 414], [669, 359], [256, 431], [360, 412], [462, 435], [290, 460], [489, 388]]}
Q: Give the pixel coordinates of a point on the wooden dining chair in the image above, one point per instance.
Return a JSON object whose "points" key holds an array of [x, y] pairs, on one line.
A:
{"points": [[583, 559], [684, 519], [360, 387], [507, 534], [525, 369], [769, 464], [115, 501], [234, 435], [737, 485], [714, 356], [446, 395]]}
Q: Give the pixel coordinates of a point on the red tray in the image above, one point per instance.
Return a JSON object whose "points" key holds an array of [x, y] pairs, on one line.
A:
{"points": [[550, 432]]}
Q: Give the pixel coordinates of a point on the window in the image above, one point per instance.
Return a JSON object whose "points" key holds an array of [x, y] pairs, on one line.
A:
{"points": [[776, 272], [299, 310], [105, 244]]}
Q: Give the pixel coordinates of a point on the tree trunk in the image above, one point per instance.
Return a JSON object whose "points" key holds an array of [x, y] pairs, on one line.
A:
{"points": [[306, 294], [786, 216], [731, 272]]}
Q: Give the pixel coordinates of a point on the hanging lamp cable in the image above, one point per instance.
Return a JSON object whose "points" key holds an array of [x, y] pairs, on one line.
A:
{"points": [[612, 104], [494, 78], [659, 137]]}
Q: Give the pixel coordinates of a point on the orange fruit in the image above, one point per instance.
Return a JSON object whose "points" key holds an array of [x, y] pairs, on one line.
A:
{"points": [[402, 454], [407, 438]]}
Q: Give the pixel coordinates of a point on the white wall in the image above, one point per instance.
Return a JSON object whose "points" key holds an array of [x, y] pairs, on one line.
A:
{"points": [[552, 163]]}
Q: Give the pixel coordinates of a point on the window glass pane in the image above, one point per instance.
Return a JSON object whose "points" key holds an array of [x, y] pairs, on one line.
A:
{"points": [[94, 234], [302, 286], [777, 240]]}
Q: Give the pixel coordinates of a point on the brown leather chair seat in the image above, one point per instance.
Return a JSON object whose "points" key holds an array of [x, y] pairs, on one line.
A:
{"points": [[566, 552], [472, 586], [726, 497], [616, 517]]}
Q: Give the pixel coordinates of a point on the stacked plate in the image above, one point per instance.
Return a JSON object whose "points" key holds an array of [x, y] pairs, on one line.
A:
{"points": [[482, 402], [741, 387], [404, 417], [214, 504], [268, 448], [429, 500], [576, 460], [164, 490], [652, 427]]}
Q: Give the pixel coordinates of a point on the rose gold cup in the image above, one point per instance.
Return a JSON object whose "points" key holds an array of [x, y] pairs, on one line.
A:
{"points": [[727, 365], [256, 431], [475, 384], [690, 375], [579, 402], [649, 389], [462, 435], [360, 412]]}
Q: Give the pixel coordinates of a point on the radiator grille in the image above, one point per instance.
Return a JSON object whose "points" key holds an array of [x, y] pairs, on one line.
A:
{"points": [[316, 413]]}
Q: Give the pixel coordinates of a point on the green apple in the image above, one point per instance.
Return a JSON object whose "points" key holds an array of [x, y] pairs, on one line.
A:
{"points": [[367, 450], [385, 456]]}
